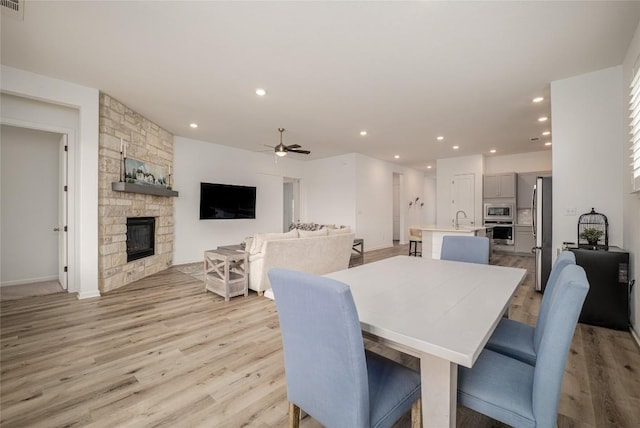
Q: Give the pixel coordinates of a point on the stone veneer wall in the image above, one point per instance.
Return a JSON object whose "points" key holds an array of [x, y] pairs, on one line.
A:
{"points": [[149, 143]]}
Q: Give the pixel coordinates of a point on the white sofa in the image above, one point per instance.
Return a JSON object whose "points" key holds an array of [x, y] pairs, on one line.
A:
{"points": [[318, 252]]}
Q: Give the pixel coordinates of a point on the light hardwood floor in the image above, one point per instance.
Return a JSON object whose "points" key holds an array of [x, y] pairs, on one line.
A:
{"points": [[161, 352]]}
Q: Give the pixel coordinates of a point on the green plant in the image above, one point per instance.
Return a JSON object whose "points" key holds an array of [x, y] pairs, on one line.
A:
{"points": [[591, 234]]}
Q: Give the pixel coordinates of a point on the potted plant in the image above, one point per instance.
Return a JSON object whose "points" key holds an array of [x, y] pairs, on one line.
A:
{"points": [[591, 235]]}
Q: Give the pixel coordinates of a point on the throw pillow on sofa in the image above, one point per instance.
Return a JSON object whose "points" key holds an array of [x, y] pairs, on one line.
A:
{"points": [[312, 233], [340, 231], [261, 238]]}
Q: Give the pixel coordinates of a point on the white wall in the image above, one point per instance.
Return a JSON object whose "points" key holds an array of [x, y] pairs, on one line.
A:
{"points": [[429, 213], [83, 162], [198, 161], [588, 139], [446, 170], [374, 207], [29, 177], [521, 162], [329, 188], [631, 202]]}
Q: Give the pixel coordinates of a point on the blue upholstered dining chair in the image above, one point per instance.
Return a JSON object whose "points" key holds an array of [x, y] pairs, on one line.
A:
{"points": [[329, 374], [522, 341], [470, 249], [515, 392]]}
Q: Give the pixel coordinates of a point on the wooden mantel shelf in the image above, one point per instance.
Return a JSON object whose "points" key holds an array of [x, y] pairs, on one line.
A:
{"points": [[119, 186]]}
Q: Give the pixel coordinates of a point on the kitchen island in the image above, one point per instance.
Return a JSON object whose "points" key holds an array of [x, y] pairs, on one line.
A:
{"points": [[432, 236]]}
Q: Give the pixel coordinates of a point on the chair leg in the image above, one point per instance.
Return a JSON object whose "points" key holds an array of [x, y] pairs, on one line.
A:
{"points": [[416, 414], [294, 415]]}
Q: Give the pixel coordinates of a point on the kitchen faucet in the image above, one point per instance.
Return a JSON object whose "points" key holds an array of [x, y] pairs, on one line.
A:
{"points": [[457, 225]]}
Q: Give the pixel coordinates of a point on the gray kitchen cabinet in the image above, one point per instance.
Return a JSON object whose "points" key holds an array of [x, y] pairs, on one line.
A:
{"points": [[526, 182], [499, 185], [524, 241]]}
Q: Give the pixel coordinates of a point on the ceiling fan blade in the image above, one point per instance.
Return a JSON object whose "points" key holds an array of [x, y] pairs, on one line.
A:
{"points": [[304, 152], [294, 146]]}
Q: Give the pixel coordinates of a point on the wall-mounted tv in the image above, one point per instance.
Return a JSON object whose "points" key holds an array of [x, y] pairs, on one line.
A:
{"points": [[226, 201]]}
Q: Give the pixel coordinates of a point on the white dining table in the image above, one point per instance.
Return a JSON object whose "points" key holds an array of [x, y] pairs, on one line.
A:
{"points": [[442, 312]]}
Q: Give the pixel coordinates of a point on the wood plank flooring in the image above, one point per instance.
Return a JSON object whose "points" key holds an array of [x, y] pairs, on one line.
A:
{"points": [[161, 352]]}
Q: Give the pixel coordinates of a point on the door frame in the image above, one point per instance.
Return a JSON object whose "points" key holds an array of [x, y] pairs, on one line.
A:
{"points": [[295, 197], [62, 225], [70, 237]]}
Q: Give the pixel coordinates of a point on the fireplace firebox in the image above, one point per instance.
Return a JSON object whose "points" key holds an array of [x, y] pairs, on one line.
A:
{"points": [[140, 237]]}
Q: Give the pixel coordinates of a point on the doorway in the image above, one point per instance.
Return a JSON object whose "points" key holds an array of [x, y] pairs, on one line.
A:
{"points": [[290, 202], [34, 207], [396, 208], [399, 232]]}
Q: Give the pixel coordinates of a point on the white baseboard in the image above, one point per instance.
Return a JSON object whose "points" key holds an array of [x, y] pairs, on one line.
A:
{"points": [[635, 335], [88, 294], [28, 281]]}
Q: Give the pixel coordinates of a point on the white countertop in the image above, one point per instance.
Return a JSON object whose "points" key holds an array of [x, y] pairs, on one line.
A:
{"points": [[449, 228]]}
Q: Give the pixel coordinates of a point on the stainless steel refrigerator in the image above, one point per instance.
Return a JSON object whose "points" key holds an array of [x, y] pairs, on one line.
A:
{"points": [[542, 228]]}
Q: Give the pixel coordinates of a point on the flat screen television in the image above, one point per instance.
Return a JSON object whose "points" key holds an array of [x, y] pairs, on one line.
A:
{"points": [[226, 201]]}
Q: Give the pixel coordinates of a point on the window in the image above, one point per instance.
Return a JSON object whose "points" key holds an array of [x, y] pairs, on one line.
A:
{"points": [[634, 106]]}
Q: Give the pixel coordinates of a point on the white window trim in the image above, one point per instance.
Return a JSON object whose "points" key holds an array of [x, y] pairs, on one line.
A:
{"points": [[634, 146]]}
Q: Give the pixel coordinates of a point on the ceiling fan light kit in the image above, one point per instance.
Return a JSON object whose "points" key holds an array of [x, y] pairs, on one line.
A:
{"points": [[282, 150]]}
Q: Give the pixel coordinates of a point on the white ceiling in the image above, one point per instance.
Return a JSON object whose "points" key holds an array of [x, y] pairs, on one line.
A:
{"points": [[405, 72]]}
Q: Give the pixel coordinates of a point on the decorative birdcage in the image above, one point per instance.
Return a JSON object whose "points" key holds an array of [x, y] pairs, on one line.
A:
{"points": [[593, 231]]}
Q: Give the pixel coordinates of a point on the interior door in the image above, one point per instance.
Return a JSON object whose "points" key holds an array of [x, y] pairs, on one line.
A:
{"points": [[62, 213], [463, 198]]}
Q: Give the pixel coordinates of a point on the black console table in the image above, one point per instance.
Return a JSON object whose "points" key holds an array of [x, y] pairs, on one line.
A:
{"points": [[607, 302]]}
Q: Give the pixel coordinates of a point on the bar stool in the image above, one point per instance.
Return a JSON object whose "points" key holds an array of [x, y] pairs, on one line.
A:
{"points": [[415, 237]]}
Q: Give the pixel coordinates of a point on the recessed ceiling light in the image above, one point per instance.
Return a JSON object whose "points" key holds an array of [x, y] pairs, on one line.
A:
{"points": [[538, 99], [440, 138], [492, 151], [455, 147], [548, 143], [397, 156], [363, 133], [428, 166], [193, 125], [545, 133], [543, 119], [261, 92]]}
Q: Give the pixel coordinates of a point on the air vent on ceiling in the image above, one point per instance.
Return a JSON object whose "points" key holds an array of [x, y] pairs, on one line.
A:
{"points": [[532, 139], [13, 8]]}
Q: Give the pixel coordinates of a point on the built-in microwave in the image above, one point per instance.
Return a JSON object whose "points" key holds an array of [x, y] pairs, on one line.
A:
{"points": [[498, 212]]}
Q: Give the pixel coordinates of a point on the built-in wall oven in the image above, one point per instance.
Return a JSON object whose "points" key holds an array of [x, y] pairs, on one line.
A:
{"points": [[500, 217], [502, 231]]}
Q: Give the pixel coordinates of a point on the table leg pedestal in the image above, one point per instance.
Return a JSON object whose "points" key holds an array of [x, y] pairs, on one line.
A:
{"points": [[439, 391]]}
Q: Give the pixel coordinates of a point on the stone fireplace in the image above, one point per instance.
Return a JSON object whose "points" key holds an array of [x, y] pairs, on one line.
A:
{"points": [[147, 142]]}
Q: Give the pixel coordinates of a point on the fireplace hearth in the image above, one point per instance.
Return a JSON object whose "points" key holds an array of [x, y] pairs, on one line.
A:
{"points": [[140, 237]]}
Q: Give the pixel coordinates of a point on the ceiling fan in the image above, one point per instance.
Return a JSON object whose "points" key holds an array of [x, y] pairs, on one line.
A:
{"points": [[282, 150]]}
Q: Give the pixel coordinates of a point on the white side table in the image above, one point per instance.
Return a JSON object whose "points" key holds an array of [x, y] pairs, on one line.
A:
{"points": [[225, 272]]}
